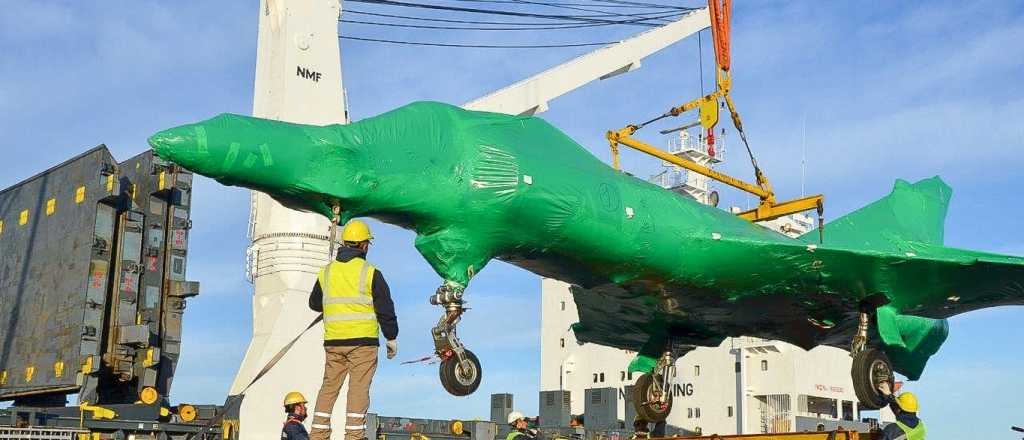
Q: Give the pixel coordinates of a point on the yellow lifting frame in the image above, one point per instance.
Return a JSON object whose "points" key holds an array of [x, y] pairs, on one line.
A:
{"points": [[767, 208]]}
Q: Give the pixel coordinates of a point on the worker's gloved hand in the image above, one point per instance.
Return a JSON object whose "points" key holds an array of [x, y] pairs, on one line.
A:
{"points": [[392, 348], [884, 388]]}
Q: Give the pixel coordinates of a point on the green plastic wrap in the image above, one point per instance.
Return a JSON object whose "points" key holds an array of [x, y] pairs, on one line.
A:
{"points": [[910, 340], [912, 214], [642, 364], [647, 266]]}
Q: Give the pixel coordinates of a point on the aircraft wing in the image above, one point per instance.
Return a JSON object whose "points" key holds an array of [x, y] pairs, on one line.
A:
{"points": [[808, 295]]}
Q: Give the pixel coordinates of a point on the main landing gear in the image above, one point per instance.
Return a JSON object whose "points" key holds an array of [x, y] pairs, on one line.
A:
{"points": [[870, 368], [460, 370], [652, 394]]}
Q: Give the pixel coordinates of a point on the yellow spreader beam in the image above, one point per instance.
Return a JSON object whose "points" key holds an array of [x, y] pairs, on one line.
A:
{"points": [[767, 208]]}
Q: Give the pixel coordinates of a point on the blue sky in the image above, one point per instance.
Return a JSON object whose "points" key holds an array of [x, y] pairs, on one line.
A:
{"points": [[905, 91]]}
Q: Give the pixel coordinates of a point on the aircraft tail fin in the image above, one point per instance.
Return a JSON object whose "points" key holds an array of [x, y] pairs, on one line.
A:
{"points": [[912, 212]]}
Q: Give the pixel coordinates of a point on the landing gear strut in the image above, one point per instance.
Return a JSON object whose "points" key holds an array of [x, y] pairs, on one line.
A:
{"points": [[652, 394], [460, 370], [870, 368]]}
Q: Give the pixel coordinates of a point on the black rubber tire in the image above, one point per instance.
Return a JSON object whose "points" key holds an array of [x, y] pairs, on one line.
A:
{"points": [[460, 385], [870, 367], [650, 413]]}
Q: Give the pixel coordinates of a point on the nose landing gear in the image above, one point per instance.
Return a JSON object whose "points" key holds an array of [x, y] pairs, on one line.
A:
{"points": [[870, 368], [652, 394], [460, 370]]}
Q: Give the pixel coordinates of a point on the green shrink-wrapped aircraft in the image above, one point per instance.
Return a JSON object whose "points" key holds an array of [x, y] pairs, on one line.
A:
{"points": [[652, 271]]}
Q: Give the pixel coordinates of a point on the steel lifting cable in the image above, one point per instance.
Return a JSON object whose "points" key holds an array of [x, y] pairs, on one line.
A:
{"points": [[555, 5], [568, 22], [579, 18], [641, 4], [477, 46], [700, 61], [531, 27], [471, 28], [504, 23], [596, 4]]}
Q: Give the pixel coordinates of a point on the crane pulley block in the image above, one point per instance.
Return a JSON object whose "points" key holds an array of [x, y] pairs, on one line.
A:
{"points": [[708, 113]]}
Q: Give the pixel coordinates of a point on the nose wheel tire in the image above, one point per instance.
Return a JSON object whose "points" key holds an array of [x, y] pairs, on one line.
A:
{"points": [[870, 368], [648, 401], [461, 379]]}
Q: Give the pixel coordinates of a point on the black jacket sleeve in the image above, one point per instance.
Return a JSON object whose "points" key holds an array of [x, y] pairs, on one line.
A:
{"points": [[384, 307], [316, 298], [891, 431]]}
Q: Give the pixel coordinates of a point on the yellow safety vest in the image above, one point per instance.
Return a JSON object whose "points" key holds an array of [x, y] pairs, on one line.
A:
{"points": [[915, 433], [348, 300], [513, 434]]}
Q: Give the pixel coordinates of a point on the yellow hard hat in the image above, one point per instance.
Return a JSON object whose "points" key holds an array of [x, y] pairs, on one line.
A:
{"points": [[294, 397], [907, 402], [356, 231]]}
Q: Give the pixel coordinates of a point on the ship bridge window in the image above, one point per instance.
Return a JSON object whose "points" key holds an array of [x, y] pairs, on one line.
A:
{"points": [[563, 306], [595, 377], [561, 342], [764, 364], [729, 410], [602, 377], [696, 370]]}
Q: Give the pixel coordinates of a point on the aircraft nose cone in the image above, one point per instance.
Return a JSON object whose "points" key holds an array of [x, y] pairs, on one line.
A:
{"points": [[184, 145], [171, 141]]}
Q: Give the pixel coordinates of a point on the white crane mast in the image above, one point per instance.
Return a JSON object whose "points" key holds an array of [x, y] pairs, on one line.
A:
{"points": [[298, 79]]}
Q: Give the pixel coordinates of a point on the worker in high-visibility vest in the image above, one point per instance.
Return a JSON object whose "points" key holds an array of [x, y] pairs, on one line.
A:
{"points": [[904, 406], [357, 307]]}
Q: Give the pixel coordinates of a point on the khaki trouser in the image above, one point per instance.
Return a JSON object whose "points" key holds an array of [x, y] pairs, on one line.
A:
{"points": [[358, 363]]}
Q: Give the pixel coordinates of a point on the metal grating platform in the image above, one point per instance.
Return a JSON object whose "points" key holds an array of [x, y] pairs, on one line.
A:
{"points": [[10, 433]]}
